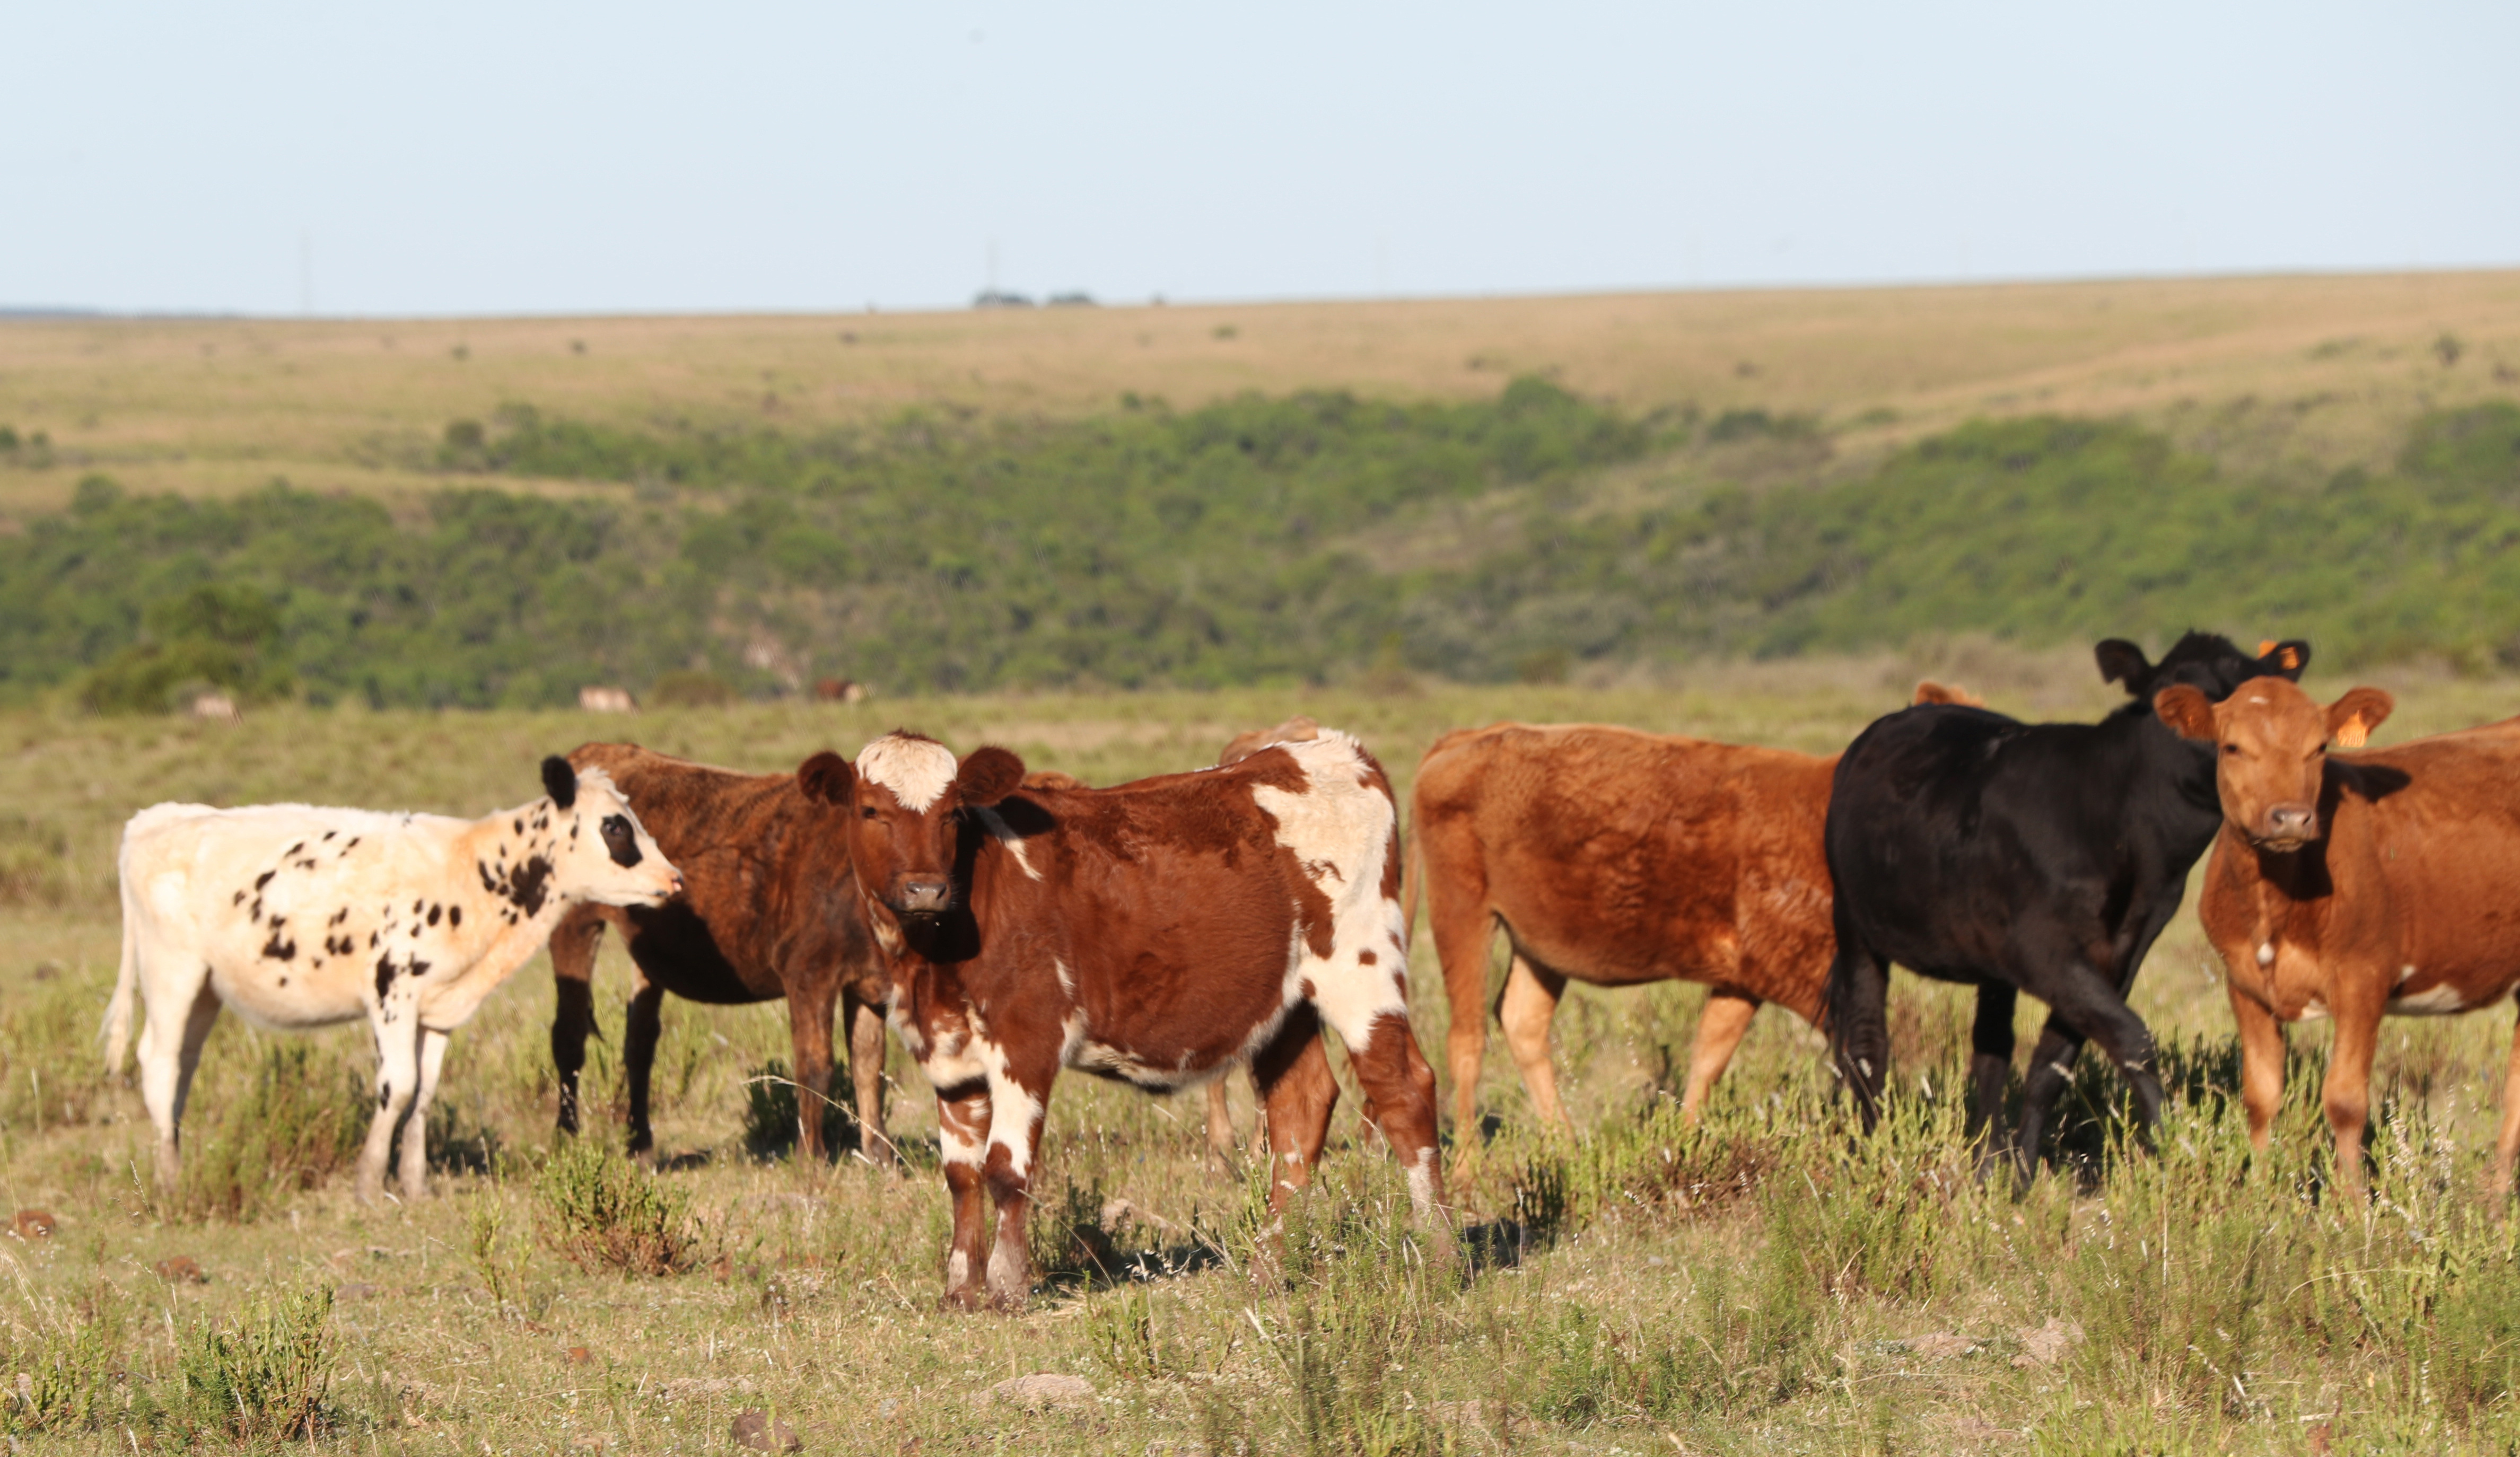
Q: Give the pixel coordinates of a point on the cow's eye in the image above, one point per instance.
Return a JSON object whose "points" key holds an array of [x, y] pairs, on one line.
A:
{"points": [[620, 840], [2232, 749], [868, 811]]}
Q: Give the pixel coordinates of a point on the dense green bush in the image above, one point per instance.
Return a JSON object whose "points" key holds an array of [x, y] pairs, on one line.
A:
{"points": [[1243, 542]]}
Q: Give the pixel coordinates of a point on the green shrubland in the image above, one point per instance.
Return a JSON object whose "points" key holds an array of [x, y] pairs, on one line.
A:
{"points": [[1252, 541]]}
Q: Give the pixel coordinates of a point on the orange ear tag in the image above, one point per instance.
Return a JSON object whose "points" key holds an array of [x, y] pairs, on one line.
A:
{"points": [[2352, 735]]}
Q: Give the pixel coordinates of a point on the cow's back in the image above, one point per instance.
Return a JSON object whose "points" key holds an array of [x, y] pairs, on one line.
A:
{"points": [[1616, 855], [766, 876], [1165, 903]]}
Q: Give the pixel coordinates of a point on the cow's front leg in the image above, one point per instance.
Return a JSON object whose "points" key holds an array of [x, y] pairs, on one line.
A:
{"points": [[415, 1128], [574, 945], [1018, 1098], [963, 1137], [640, 1029], [866, 1077], [398, 1034], [171, 1049], [809, 1036]]}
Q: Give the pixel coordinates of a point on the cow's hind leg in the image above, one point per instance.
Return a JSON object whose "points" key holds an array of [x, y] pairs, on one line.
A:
{"points": [[1220, 1123], [1990, 1068], [963, 1138], [640, 1029], [398, 1038], [1526, 1009], [2507, 1142], [866, 1076], [171, 1049], [1857, 1011], [414, 1126], [1720, 1030], [573, 943], [1464, 926], [1297, 1095]]}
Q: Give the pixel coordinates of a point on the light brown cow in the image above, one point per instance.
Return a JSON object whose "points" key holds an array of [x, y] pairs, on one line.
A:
{"points": [[2355, 887], [1619, 857], [1157, 932]]}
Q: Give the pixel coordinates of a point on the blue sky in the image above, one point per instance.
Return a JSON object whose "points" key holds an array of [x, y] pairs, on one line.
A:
{"points": [[467, 158]]}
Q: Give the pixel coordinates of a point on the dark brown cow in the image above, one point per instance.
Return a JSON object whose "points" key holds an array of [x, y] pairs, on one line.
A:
{"points": [[2358, 888], [1618, 858], [1156, 933], [770, 911]]}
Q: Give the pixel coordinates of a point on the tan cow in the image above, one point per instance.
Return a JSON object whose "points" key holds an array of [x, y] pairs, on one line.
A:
{"points": [[2355, 887], [1619, 857]]}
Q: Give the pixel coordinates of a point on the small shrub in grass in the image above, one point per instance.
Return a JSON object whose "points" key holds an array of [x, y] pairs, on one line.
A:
{"points": [[64, 1362], [601, 1211], [770, 1122], [266, 1377], [297, 1116]]}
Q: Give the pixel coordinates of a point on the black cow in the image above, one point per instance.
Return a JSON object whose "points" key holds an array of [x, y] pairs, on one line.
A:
{"points": [[2037, 857]]}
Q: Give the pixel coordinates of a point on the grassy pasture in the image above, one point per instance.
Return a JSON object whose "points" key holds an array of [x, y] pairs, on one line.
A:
{"points": [[2256, 370], [1759, 1285]]}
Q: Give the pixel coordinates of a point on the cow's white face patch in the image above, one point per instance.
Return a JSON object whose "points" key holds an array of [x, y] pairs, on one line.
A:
{"points": [[918, 770]]}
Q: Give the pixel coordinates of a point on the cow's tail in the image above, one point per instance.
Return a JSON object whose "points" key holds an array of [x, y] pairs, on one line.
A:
{"points": [[127, 983]]}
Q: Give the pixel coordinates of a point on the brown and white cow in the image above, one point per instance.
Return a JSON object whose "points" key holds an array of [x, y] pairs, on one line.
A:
{"points": [[768, 912], [1618, 858], [1156, 933], [2355, 887]]}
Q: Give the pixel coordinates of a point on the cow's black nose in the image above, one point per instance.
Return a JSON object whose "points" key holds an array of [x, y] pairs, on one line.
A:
{"points": [[924, 897]]}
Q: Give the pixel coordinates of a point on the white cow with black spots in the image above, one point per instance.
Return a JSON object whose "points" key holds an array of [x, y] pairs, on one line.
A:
{"points": [[297, 916]]}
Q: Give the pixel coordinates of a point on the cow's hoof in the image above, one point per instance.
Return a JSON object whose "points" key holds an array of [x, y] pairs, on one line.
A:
{"points": [[958, 1302]]}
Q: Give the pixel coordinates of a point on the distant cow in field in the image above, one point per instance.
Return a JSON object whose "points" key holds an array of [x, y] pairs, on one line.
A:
{"points": [[296, 918], [1618, 858], [769, 911], [839, 691], [600, 699], [1156, 933], [2037, 857], [2376, 885]]}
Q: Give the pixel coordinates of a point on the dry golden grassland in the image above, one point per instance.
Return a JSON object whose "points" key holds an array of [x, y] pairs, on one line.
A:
{"points": [[2327, 369], [1763, 1284]]}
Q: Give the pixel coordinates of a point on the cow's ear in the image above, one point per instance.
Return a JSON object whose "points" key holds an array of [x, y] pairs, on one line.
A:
{"points": [[2351, 717], [826, 777], [988, 775], [2123, 662], [2284, 659], [2186, 710], [560, 781]]}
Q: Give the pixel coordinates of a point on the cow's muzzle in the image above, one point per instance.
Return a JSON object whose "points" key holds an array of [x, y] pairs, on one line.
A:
{"points": [[2286, 827], [924, 898]]}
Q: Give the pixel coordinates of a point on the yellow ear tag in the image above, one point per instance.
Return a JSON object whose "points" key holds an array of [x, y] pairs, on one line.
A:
{"points": [[2352, 735]]}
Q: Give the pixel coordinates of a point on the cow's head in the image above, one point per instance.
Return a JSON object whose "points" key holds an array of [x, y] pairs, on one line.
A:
{"points": [[2208, 662], [2271, 754], [599, 850], [904, 801]]}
